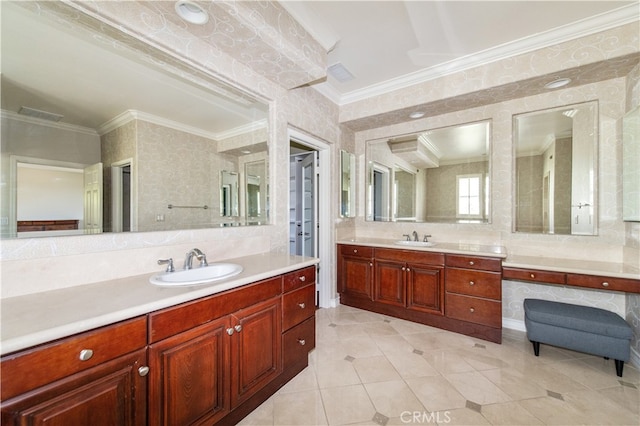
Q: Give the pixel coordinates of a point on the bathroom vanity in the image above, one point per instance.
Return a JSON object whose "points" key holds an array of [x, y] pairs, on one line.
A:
{"points": [[212, 358], [457, 287]]}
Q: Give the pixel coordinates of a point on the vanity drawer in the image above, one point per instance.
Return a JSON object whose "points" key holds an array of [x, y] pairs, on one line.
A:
{"points": [[474, 262], [359, 251], [410, 256], [474, 283], [604, 283], [297, 342], [298, 305], [475, 310], [299, 278], [32, 368], [534, 275]]}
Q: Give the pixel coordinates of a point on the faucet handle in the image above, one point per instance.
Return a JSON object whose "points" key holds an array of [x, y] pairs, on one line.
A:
{"points": [[168, 262], [426, 238], [408, 236]]}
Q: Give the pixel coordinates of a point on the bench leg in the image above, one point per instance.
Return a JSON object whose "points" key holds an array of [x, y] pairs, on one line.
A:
{"points": [[536, 348], [619, 367]]}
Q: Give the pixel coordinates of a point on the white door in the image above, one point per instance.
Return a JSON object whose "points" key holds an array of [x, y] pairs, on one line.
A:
{"points": [[93, 199]]}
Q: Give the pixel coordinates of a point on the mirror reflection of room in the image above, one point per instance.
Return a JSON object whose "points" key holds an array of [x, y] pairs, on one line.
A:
{"points": [[439, 175], [555, 154]]}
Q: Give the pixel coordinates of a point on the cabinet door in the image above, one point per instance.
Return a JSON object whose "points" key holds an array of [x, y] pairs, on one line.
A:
{"points": [[355, 276], [389, 282], [189, 377], [112, 393], [256, 348], [425, 288]]}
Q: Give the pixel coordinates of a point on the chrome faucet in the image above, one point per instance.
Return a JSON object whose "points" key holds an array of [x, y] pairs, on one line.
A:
{"points": [[415, 236], [198, 255]]}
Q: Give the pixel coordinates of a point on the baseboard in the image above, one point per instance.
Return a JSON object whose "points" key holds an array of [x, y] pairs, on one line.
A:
{"points": [[635, 359], [335, 302], [513, 324]]}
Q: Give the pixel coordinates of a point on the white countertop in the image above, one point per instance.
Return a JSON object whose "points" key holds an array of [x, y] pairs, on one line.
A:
{"points": [[587, 267], [453, 248], [41, 317]]}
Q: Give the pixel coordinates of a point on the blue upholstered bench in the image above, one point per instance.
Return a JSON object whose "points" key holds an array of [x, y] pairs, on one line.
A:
{"points": [[580, 328]]}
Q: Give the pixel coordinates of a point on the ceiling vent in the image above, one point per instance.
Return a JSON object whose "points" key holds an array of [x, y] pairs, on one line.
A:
{"points": [[417, 151], [43, 115], [340, 72]]}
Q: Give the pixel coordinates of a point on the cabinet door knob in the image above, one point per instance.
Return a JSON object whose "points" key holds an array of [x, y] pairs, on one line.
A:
{"points": [[303, 278], [471, 262], [370, 263], [85, 354], [404, 269], [472, 310], [472, 283], [302, 305], [238, 328], [143, 371], [302, 342], [229, 331], [355, 250], [605, 284]]}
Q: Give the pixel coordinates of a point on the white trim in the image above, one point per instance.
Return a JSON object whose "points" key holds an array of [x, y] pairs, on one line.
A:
{"points": [[513, 324], [10, 115], [325, 241], [618, 17]]}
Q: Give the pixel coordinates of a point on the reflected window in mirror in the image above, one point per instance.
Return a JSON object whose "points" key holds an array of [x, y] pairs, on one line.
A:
{"points": [[229, 194], [161, 130], [555, 170], [417, 177]]}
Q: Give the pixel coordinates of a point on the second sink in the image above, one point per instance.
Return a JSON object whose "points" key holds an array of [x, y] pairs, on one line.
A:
{"points": [[207, 274], [415, 243]]}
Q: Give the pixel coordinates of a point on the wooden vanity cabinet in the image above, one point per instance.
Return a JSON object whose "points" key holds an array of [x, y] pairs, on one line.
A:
{"points": [[355, 271], [96, 378], [209, 356], [474, 294], [298, 319], [410, 279]]}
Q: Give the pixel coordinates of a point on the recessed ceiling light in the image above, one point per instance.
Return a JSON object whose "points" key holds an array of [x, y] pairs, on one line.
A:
{"points": [[557, 83], [416, 114], [192, 12]]}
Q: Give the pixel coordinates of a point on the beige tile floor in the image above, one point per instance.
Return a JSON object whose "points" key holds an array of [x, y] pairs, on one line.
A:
{"points": [[370, 369]]}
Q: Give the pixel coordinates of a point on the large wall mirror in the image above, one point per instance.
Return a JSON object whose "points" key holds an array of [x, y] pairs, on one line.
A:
{"points": [[438, 175], [555, 170], [102, 133]]}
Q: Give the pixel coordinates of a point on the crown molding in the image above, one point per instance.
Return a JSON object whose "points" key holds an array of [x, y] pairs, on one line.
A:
{"points": [[621, 16], [53, 124]]}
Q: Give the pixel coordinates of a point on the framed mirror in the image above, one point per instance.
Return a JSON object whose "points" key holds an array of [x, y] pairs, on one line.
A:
{"points": [[555, 153], [437, 175], [347, 184], [631, 166], [149, 135]]}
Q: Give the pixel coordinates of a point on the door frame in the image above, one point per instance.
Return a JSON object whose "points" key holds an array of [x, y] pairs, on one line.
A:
{"points": [[325, 243]]}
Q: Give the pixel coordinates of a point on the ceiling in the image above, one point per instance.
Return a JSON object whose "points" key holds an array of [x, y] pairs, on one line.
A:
{"points": [[389, 44], [384, 44]]}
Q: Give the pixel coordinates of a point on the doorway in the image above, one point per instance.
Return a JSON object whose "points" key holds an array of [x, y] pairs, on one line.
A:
{"points": [[316, 202]]}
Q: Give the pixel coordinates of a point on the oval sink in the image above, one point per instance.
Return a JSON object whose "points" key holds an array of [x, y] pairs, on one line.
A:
{"points": [[415, 243], [204, 275]]}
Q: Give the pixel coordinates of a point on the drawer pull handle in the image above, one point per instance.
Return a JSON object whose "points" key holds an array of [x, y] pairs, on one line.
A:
{"points": [[471, 262], [472, 283], [303, 279], [229, 331], [302, 305], [532, 275], [302, 342], [143, 371], [472, 310], [355, 250], [85, 354], [238, 328], [605, 284]]}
